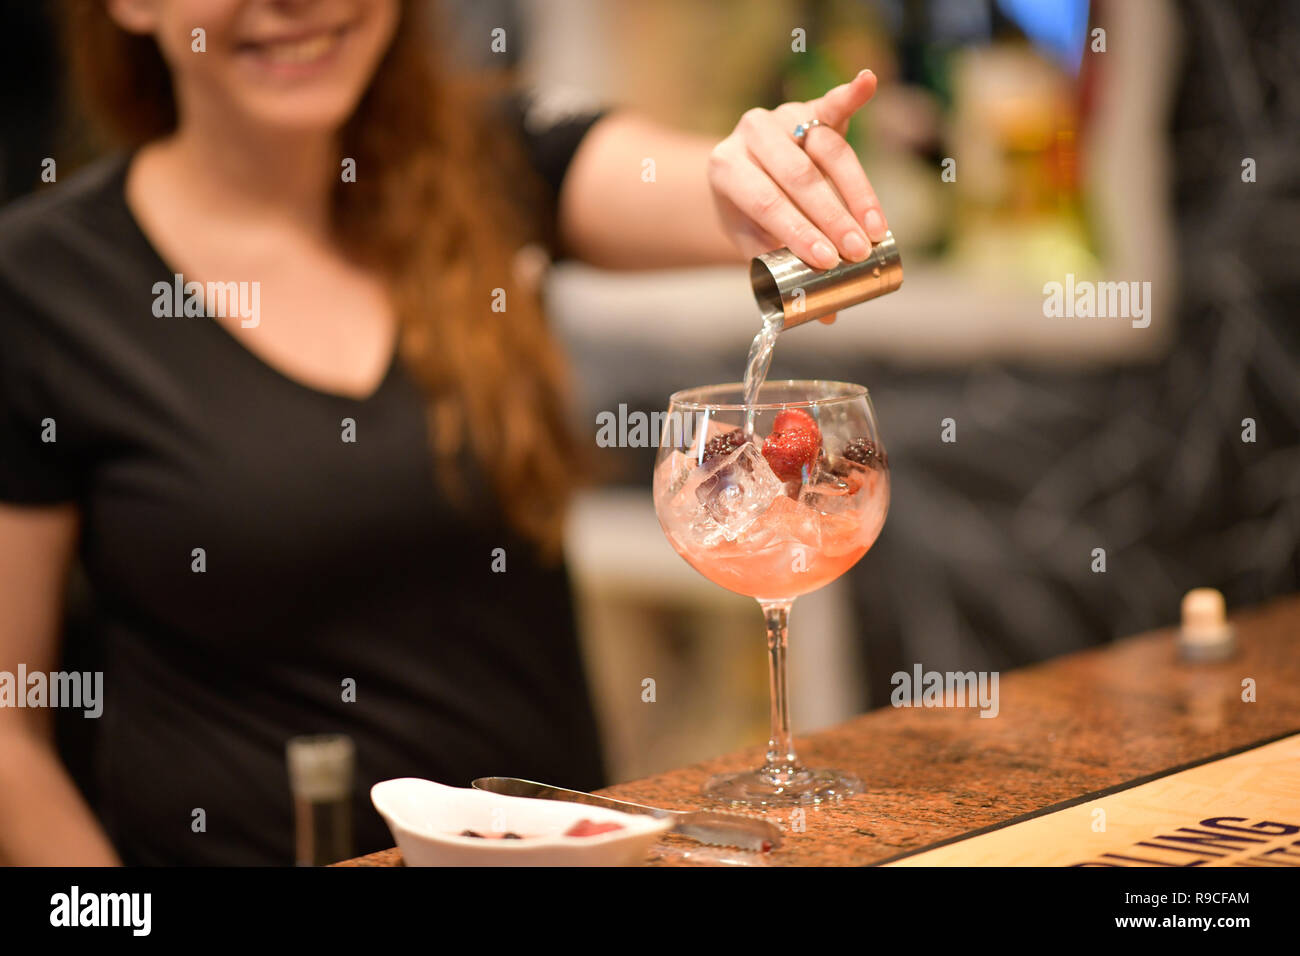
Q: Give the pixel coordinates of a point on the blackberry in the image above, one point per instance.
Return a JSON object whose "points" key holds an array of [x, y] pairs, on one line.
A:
{"points": [[863, 452], [720, 446]]}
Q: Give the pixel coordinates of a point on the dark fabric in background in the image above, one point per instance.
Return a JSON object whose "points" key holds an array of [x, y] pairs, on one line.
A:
{"points": [[985, 562]]}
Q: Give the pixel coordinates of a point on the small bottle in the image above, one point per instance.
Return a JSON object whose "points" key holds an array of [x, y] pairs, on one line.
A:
{"points": [[320, 777], [790, 292]]}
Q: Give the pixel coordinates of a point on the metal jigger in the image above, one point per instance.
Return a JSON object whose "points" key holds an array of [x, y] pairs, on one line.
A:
{"points": [[790, 292]]}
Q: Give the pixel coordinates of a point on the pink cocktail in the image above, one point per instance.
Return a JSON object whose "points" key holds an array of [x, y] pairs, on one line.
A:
{"points": [[773, 499]]}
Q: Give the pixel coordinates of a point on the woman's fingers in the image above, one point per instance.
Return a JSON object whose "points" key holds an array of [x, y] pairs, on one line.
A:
{"points": [[753, 240], [754, 193], [837, 105], [833, 155], [797, 172], [816, 200]]}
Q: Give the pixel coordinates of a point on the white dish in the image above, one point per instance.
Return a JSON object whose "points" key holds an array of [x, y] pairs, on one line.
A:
{"points": [[426, 819]]}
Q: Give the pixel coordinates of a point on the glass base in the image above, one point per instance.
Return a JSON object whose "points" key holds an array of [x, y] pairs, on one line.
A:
{"points": [[761, 788]]}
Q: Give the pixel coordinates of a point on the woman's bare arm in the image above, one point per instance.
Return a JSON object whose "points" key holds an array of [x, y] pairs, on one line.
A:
{"points": [[43, 818], [614, 216], [639, 194]]}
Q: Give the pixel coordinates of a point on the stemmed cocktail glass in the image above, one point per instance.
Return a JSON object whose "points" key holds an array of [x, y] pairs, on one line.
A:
{"points": [[773, 499]]}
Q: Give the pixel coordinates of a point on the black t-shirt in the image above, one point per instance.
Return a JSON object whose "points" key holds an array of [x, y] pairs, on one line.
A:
{"points": [[327, 561]]}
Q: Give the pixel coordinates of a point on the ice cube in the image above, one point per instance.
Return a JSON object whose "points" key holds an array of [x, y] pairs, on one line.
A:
{"points": [[829, 494], [852, 502], [829, 491], [784, 523], [860, 478], [721, 498], [738, 489], [671, 474]]}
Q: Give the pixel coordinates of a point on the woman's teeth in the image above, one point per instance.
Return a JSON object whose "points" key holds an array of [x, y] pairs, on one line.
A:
{"points": [[301, 51]]}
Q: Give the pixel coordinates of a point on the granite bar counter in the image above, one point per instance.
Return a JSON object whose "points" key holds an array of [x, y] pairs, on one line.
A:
{"points": [[1065, 728]]}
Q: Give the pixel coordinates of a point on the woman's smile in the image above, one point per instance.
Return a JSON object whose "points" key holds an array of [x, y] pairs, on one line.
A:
{"points": [[295, 56]]}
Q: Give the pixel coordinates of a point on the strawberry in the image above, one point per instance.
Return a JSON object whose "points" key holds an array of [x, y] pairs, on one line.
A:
{"points": [[584, 828], [794, 444], [795, 419]]}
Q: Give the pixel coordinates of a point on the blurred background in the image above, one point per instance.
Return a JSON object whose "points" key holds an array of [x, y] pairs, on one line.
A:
{"points": [[1012, 143]]}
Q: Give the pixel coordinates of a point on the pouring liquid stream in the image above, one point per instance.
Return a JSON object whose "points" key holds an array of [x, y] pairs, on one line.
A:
{"points": [[760, 360]]}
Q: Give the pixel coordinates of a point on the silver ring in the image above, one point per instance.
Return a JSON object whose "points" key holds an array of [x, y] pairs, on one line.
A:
{"points": [[802, 129]]}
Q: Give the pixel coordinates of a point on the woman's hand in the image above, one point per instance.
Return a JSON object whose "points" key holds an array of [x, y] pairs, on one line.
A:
{"points": [[814, 198], [711, 202]]}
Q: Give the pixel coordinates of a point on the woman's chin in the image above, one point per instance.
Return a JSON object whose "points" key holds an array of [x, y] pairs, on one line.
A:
{"points": [[302, 113]]}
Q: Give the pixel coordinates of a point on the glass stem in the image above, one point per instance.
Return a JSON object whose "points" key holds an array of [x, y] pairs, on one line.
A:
{"points": [[781, 764]]}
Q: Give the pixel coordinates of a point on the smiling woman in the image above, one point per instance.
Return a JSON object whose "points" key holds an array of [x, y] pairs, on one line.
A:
{"points": [[270, 510]]}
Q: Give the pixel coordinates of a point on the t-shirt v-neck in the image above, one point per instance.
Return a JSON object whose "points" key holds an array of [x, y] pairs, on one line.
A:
{"points": [[135, 230]]}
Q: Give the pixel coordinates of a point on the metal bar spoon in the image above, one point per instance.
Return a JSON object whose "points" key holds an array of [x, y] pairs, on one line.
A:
{"points": [[705, 826]]}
